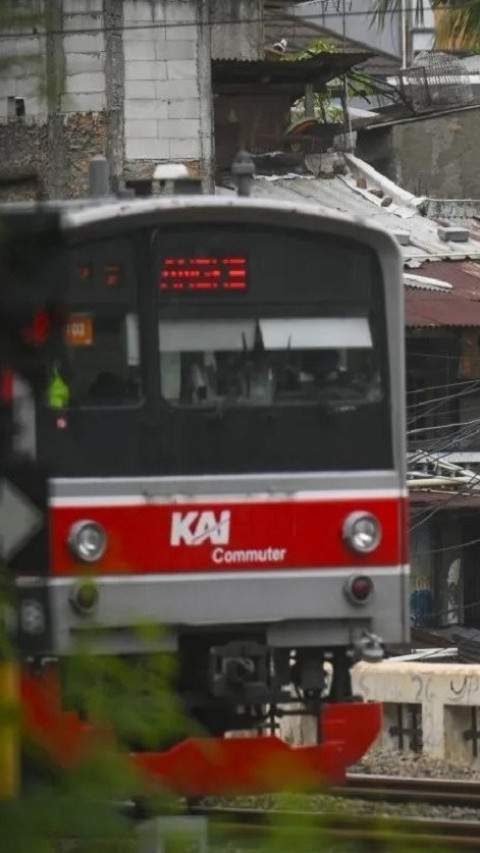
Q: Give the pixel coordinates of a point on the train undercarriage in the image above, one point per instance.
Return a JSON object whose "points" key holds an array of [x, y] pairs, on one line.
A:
{"points": [[235, 692]]}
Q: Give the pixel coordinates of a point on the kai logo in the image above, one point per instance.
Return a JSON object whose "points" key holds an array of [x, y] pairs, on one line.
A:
{"points": [[196, 528]]}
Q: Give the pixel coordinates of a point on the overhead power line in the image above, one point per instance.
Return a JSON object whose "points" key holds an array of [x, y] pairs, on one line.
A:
{"points": [[159, 25]]}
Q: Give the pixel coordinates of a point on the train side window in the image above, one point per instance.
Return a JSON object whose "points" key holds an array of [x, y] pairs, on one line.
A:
{"points": [[100, 363]]}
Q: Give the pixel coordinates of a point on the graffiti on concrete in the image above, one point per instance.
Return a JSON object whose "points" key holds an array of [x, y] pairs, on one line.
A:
{"points": [[463, 689]]}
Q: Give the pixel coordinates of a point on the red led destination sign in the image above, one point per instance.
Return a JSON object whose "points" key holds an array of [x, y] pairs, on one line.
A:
{"points": [[210, 274]]}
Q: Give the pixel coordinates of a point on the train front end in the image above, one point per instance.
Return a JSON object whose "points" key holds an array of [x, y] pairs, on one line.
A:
{"points": [[228, 462]]}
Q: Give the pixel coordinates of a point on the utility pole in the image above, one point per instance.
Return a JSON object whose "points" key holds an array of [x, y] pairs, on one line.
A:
{"points": [[403, 31], [345, 99], [204, 70]]}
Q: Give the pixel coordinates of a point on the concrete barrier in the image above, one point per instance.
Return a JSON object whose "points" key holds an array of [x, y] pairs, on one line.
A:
{"points": [[432, 708], [429, 708]]}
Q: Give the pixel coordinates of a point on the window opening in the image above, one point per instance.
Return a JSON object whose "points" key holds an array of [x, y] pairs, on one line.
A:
{"points": [[99, 363], [284, 361]]}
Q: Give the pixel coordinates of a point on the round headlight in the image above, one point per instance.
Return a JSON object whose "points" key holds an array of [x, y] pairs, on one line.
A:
{"points": [[362, 532], [87, 541]]}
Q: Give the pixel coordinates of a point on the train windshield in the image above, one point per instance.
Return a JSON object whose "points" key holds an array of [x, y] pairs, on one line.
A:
{"points": [[221, 348], [264, 361], [272, 352]]}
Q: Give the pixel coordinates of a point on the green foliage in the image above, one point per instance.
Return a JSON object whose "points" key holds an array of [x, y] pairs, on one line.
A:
{"points": [[357, 85], [313, 49], [134, 703], [134, 696], [382, 9], [458, 26], [60, 805]]}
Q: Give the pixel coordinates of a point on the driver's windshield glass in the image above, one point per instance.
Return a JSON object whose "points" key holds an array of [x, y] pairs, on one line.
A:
{"points": [[269, 362]]}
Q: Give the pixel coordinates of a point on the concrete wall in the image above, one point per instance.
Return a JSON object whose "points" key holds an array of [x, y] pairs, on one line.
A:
{"points": [[80, 66], [436, 156], [164, 79], [130, 79], [83, 87], [126, 78], [61, 78], [447, 696], [237, 31], [22, 65]]}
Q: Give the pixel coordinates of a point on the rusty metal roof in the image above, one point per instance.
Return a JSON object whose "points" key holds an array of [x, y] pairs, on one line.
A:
{"points": [[459, 306]]}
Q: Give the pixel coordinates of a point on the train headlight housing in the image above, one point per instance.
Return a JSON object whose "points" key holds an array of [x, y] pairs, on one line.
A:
{"points": [[362, 532], [87, 541]]}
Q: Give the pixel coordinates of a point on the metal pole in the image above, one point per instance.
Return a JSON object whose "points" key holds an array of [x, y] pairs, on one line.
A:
{"points": [[98, 177], [347, 120], [309, 101], [204, 70], [403, 34]]}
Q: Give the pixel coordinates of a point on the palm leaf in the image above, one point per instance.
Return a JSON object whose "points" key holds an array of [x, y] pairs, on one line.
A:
{"points": [[458, 21], [459, 24], [383, 8]]}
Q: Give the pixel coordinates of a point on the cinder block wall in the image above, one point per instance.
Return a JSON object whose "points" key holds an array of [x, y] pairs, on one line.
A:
{"points": [[126, 78], [162, 85], [130, 79]]}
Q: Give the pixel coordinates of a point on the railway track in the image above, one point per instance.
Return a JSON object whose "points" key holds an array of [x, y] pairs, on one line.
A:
{"points": [[403, 789], [249, 826], [380, 832]]}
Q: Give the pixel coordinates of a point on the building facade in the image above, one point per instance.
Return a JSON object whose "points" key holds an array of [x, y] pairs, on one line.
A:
{"points": [[352, 21], [130, 79]]}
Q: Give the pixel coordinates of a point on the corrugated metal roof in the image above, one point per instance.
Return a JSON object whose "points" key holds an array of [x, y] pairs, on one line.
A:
{"points": [[451, 500], [458, 307], [423, 308], [457, 264], [464, 276], [320, 69], [340, 193]]}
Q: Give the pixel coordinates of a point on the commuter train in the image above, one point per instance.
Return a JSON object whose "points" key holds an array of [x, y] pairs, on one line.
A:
{"points": [[222, 422]]}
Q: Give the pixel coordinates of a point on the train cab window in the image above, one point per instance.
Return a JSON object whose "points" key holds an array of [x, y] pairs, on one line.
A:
{"points": [[271, 361], [99, 363]]}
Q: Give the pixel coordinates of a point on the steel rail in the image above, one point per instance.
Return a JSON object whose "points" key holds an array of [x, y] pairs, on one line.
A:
{"points": [[385, 833], [402, 789]]}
